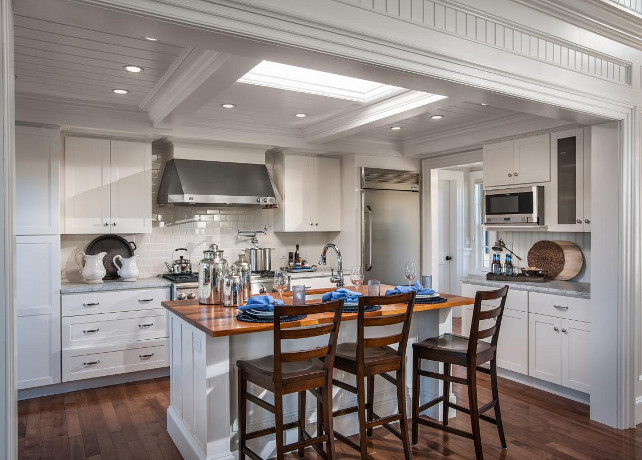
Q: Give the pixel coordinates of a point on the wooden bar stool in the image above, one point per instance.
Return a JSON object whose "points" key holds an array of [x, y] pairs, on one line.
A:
{"points": [[467, 352], [292, 372], [374, 356]]}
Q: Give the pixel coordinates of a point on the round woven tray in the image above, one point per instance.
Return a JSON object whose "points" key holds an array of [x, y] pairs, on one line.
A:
{"points": [[560, 260]]}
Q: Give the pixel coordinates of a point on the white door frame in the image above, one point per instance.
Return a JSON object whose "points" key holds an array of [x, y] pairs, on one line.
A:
{"points": [[8, 392], [456, 243]]}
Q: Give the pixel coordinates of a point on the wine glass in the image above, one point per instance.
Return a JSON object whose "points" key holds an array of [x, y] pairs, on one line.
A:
{"points": [[356, 276], [280, 282], [410, 272]]}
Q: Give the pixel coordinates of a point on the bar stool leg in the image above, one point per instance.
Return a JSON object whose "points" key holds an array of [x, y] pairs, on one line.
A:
{"points": [[474, 409], [242, 405], [326, 393], [370, 401], [446, 394], [415, 398], [278, 422], [322, 427], [401, 402], [361, 398], [495, 392], [301, 420]]}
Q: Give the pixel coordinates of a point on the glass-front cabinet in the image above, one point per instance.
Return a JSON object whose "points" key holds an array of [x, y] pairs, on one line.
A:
{"points": [[569, 203]]}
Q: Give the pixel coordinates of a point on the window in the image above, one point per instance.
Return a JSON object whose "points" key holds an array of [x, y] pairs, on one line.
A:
{"points": [[483, 239]]}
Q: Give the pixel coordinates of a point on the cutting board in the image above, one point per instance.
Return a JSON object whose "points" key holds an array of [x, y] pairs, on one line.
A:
{"points": [[560, 260]]}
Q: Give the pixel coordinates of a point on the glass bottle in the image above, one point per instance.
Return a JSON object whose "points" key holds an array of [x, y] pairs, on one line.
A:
{"points": [[508, 265]]}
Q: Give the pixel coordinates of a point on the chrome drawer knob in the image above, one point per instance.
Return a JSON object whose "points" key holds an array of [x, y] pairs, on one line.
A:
{"points": [[556, 329]]}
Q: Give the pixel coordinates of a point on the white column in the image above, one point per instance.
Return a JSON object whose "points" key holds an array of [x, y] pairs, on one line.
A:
{"points": [[8, 413]]}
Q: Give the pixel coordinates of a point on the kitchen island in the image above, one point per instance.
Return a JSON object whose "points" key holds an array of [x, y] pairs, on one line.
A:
{"points": [[207, 340]]}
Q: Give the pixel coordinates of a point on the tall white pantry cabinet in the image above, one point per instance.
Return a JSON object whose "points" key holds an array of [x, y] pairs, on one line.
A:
{"points": [[37, 223]]}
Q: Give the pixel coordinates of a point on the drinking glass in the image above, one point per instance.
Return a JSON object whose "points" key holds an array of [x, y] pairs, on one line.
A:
{"points": [[374, 287], [280, 282], [410, 272], [356, 276], [298, 294]]}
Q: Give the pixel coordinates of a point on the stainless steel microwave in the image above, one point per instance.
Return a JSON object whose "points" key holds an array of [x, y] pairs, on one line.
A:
{"points": [[521, 206]]}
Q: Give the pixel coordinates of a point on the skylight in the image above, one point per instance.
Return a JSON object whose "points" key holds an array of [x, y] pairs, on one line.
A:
{"points": [[310, 81]]}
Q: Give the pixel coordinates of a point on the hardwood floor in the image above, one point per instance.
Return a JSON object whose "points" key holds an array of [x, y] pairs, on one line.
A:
{"points": [[128, 422]]}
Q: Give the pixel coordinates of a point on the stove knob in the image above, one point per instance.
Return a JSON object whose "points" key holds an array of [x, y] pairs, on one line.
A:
{"points": [[181, 296], [191, 296]]}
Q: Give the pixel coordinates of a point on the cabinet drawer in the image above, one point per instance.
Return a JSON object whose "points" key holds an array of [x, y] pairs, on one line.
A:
{"points": [[112, 328], [88, 303], [101, 361], [515, 300], [560, 306]]}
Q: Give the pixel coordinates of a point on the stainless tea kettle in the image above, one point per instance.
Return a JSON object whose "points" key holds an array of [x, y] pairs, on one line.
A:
{"points": [[180, 265]]}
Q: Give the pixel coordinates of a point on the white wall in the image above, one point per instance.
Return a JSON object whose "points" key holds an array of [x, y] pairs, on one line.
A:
{"points": [[196, 228]]}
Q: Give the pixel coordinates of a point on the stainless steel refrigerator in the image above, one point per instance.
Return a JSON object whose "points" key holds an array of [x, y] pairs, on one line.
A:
{"points": [[390, 224]]}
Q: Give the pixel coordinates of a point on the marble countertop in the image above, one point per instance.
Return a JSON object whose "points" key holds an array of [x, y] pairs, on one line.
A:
{"points": [[568, 288], [114, 285]]}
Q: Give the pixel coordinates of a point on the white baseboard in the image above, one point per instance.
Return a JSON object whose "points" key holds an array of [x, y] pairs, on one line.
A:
{"points": [[553, 388], [77, 385], [185, 443]]}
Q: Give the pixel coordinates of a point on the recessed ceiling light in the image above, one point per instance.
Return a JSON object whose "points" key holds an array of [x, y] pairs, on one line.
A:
{"points": [[228, 106], [484, 104], [301, 115], [437, 117], [151, 39], [395, 128], [133, 68], [120, 91]]}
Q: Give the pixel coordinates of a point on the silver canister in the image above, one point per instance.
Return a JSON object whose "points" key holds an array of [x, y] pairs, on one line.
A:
{"points": [[242, 267], [207, 292], [232, 289], [220, 269]]}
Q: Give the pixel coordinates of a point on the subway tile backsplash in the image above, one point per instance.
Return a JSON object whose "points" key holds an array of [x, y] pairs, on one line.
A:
{"points": [[195, 229]]}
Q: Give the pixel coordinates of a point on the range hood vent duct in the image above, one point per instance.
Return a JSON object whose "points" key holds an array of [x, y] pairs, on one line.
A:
{"points": [[216, 184]]}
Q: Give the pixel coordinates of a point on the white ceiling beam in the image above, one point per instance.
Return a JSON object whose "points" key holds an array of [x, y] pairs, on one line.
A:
{"points": [[393, 109], [197, 76]]}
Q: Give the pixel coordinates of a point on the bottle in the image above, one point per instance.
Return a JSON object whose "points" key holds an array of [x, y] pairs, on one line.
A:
{"points": [[297, 257], [496, 267], [508, 265]]}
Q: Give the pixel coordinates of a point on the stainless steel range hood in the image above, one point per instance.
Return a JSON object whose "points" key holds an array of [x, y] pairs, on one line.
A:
{"points": [[215, 184]]}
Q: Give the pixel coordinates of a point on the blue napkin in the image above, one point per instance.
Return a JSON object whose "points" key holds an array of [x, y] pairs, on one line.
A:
{"points": [[261, 303], [347, 295], [417, 287]]}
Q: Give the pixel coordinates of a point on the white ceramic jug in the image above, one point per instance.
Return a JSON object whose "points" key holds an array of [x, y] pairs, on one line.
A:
{"points": [[127, 270], [93, 269]]}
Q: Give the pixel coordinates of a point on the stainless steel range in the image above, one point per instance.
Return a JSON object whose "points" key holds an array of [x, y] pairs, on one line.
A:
{"points": [[262, 282], [184, 285]]}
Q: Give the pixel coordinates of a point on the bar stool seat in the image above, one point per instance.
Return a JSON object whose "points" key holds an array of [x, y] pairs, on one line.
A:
{"points": [[347, 355], [262, 371], [454, 347]]}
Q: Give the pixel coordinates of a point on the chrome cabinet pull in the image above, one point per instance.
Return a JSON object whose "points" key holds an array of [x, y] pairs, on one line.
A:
{"points": [[91, 304], [146, 325], [114, 224], [91, 363], [561, 307], [147, 356], [586, 221], [564, 331], [516, 174], [368, 249], [146, 300], [106, 224], [579, 221], [90, 331], [556, 329], [510, 175], [308, 287]]}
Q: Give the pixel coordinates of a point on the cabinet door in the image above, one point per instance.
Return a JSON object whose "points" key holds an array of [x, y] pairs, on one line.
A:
{"points": [[587, 179], [532, 160], [131, 187], [298, 188], [566, 202], [466, 320], [38, 310], [512, 346], [37, 181], [87, 177], [545, 345], [327, 185], [576, 363], [498, 164]]}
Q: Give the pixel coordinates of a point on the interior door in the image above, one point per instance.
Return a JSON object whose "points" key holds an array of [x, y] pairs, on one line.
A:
{"points": [[444, 236], [392, 217]]}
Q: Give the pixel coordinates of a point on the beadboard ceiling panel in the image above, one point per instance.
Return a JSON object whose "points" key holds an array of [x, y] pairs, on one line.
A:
{"points": [[82, 64]]}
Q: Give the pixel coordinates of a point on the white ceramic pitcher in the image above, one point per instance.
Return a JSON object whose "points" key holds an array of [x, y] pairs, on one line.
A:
{"points": [[93, 269], [127, 270]]}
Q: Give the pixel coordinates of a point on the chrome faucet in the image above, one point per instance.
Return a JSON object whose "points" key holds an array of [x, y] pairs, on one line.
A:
{"points": [[338, 278]]}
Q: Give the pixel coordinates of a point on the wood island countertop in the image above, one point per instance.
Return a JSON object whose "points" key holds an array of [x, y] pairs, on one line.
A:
{"points": [[220, 321]]}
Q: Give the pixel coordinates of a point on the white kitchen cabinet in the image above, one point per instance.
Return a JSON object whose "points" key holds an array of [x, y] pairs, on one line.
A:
{"points": [[570, 195], [37, 181], [310, 189], [107, 186], [576, 346], [545, 357], [38, 310], [520, 161]]}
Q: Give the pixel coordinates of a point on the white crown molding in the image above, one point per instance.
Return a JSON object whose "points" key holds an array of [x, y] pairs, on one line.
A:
{"points": [[197, 78], [604, 17], [399, 107]]}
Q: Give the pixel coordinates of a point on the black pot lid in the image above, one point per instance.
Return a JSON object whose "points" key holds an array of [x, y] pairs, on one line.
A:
{"points": [[113, 245]]}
